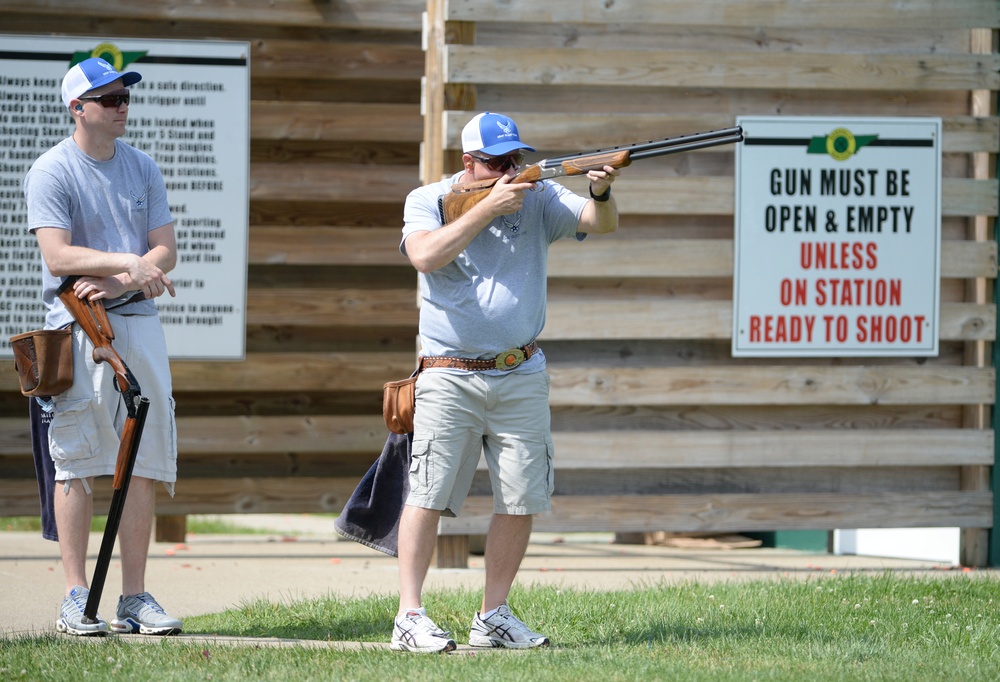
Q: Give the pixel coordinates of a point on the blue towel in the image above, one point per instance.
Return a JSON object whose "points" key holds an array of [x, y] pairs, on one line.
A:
{"points": [[371, 515], [45, 468]]}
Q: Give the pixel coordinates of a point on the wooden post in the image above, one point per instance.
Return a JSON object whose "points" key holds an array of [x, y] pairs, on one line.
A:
{"points": [[974, 542], [171, 528], [453, 551]]}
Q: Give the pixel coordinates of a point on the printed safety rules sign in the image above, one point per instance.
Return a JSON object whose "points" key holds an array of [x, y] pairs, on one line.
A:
{"points": [[838, 236]]}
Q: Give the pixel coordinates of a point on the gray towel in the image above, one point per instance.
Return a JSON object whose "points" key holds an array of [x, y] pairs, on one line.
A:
{"points": [[371, 515]]}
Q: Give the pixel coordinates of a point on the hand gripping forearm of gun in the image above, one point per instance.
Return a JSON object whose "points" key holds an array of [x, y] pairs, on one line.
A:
{"points": [[93, 319], [463, 196]]}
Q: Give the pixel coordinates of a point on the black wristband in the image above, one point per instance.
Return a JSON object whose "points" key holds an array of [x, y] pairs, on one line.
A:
{"points": [[604, 196]]}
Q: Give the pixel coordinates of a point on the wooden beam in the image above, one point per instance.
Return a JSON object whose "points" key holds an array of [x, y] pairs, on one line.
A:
{"points": [[644, 195], [779, 449], [557, 66], [915, 14], [741, 512], [325, 245], [775, 385], [578, 319], [734, 385], [295, 371], [626, 257], [335, 121], [380, 184], [336, 61], [398, 15], [586, 131], [337, 308]]}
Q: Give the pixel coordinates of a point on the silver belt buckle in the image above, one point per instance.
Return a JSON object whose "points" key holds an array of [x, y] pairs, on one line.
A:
{"points": [[510, 359]]}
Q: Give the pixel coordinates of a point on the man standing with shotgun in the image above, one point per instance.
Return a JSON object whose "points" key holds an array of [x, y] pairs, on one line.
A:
{"points": [[98, 208], [483, 388]]}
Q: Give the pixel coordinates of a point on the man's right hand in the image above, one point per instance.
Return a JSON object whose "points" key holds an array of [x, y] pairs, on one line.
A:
{"points": [[506, 197]]}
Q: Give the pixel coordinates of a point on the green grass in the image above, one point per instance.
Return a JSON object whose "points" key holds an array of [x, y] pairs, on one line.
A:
{"points": [[846, 627]]}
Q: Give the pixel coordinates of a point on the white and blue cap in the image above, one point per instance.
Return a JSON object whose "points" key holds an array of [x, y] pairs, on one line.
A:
{"points": [[493, 134], [92, 73]]}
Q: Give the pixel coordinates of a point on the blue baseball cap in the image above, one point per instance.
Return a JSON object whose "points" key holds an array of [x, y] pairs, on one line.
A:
{"points": [[493, 134], [92, 73]]}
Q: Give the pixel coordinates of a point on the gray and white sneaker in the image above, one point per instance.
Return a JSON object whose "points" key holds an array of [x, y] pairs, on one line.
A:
{"points": [[141, 613], [414, 631], [71, 620], [504, 629]]}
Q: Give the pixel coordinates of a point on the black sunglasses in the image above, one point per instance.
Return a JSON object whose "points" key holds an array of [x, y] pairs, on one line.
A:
{"points": [[501, 163], [112, 100]]}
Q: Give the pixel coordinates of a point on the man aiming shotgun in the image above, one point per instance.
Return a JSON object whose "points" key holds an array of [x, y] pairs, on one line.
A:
{"points": [[479, 241], [98, 208]]}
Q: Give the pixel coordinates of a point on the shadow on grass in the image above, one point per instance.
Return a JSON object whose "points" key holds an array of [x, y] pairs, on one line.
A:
{"points": [[326, 619]]}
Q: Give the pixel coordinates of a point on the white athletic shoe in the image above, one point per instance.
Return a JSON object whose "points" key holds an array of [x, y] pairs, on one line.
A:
{"points": [[414, 631], [71, 615], [504, 629], [142, 614]]}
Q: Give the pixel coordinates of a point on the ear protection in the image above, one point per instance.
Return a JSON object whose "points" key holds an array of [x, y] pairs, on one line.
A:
{"points": [[79, 107]]}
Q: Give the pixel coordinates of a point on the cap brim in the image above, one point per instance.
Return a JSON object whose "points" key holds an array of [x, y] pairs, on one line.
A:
{"points": [[129, 78], [505, 147]]}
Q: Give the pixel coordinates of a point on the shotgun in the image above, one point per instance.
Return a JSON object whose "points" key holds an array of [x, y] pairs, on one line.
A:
{"points": [[93, 319], [464, 196]]}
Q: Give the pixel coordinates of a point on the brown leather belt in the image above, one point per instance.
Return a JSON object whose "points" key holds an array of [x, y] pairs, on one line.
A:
{"points": [[505, 362]]}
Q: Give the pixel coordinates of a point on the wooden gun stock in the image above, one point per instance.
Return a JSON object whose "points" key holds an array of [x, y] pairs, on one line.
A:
{"points": [[464, 196], [93, 319]]}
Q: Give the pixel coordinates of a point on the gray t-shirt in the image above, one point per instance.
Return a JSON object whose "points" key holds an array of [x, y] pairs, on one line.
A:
{"points": [[492, 296], [109, 206]]}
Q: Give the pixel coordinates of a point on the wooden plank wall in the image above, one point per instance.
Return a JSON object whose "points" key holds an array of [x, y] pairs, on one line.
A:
{"points": [[335, 138], [656, 426]]}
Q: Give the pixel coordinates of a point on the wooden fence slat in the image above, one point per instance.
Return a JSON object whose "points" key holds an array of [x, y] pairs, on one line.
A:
{"points": [[599, 257], [585, 131], [295, 372], [644, 195], [742, 385], [211, 496], [340, 307], [554, 66], [400, 15], [335, 121], [639, 513], [383, 184], [329, 61], [744, 512], [573, 318], [918, 14], [620, 450], [612, 257], [323, 245], [709, 449], [754, 385], [276, 434]]}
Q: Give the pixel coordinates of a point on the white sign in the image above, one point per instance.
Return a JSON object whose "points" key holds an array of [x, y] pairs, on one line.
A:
{"points": [[838, 234], [190, 112]]}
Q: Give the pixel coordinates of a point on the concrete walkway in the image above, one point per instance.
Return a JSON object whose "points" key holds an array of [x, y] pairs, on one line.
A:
{"points": [[303, 558]]}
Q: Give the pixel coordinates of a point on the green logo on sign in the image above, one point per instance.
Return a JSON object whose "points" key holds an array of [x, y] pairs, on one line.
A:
{"points": [[841, 144]]}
